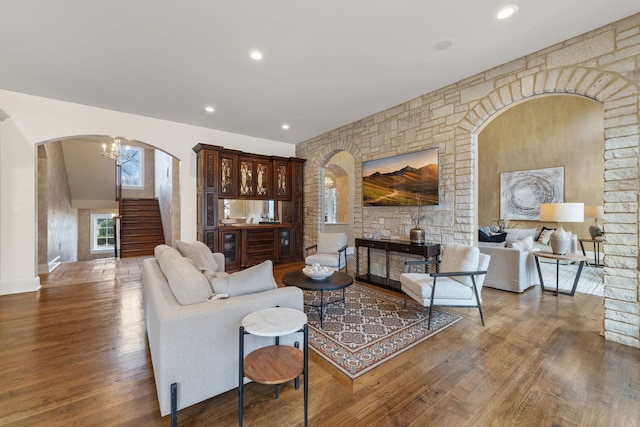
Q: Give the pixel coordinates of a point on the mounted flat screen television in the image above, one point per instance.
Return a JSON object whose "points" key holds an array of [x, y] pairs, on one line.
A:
{"points": [[403, 180]]}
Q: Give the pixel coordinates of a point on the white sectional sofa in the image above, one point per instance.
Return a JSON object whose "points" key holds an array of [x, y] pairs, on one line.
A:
{"points": [[194, 341], [513, 266], [515, 234], [511, 269]]}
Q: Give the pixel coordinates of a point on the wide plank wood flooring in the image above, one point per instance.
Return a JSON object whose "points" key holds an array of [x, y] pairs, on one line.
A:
{"points": [[75, 354]]}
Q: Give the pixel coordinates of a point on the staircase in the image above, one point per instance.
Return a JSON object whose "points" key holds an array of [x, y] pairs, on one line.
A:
{"points": [[140, 227]]}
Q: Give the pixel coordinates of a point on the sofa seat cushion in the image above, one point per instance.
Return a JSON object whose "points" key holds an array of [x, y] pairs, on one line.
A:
{"points": [[188, 284], [421, 284], [199, 253], [253, 279]]}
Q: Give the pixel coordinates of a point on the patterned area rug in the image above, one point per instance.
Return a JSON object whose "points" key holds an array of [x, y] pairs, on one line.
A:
{"points": [[369, 328]]}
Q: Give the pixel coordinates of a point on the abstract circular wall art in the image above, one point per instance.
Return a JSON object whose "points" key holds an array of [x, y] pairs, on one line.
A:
{"points": [[522, 192]]}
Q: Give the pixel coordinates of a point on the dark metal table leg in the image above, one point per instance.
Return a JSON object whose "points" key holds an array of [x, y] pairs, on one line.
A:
{"points": [[577, 279], [321, 306], [539, 273], [241, 376], [305, 368], [557, 276]]}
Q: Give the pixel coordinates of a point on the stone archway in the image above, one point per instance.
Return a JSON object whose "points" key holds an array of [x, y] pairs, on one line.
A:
{"points": [[620, 99], [314, 180]]}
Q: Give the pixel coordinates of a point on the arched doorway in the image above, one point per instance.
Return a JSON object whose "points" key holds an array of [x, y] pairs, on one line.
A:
{"points": [[76, 186], [619, 99], [338, 183], [550, 131]]}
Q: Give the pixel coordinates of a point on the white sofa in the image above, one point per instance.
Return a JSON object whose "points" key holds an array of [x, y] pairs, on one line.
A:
{"points": [[196, 345], [516, 234], [511, 269]]}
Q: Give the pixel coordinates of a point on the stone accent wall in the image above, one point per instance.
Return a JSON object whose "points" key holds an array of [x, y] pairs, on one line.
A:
{"points": [[602, 65]]}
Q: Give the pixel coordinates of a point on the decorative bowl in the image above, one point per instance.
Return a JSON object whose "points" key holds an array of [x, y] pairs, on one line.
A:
{"points": [[318, 273]]}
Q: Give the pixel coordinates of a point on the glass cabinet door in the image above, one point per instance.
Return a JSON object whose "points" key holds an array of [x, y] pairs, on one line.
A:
{"points": [[285, 242], [230, 247]]}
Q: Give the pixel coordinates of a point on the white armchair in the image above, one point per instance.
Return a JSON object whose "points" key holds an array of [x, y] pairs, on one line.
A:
{"points": [[459, 280], [330, 251]]}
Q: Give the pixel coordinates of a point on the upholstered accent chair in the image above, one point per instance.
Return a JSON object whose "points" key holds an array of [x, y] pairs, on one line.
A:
{"points": [[330, 251], [458, 282]]}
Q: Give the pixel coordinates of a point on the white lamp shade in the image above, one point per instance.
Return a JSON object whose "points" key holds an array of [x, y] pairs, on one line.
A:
{"points": [[562, 212], [593, 212]]}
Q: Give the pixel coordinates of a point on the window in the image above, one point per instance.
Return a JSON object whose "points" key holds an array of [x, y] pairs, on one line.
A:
{"points": [[103, 236], [132, 170]]}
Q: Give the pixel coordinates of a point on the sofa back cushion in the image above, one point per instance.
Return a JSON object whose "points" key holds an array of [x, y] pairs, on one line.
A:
{"points": [[199, 253], [253, 279], [188, 285], [522, 233]]}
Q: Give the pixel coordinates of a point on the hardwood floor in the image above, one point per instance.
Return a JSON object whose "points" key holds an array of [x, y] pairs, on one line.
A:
{"points": [[75, 353]]}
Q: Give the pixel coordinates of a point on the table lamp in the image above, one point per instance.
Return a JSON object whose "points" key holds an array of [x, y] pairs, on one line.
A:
{"points": [[594, 212], [561, 213]]}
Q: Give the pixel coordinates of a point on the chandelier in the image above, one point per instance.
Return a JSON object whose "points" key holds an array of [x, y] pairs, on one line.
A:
{"points": [[116, 153], [328, 182]]}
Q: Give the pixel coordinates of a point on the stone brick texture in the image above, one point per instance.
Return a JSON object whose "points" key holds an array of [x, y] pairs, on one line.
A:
{"points": [[603, 65]]}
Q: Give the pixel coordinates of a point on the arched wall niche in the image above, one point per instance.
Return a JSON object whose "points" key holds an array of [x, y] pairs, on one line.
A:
{"points": [[338, 210], [619, 97], [314, 185]]}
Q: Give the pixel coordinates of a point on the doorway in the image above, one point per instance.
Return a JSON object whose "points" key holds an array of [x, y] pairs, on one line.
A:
{"points": [[76, 185], [338, 189]]}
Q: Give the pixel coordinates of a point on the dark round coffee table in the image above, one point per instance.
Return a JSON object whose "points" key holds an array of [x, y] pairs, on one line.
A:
{"points": [[336, 281]]}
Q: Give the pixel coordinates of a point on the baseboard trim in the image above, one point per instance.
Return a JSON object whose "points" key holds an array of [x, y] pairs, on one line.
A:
{"points": [[19, 286], [48, 268]]}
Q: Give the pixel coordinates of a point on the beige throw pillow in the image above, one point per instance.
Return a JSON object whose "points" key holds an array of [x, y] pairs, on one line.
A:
{"points": [[523, 245], [253, 279], [199, 253], [545, 236]]}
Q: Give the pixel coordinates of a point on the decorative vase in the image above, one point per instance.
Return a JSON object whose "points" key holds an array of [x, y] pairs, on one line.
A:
{"points": [[416, 235], [595, 229]]}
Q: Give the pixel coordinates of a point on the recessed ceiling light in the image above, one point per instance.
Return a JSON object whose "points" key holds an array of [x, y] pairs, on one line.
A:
{"points": [[256, 55], [444, 44], [507, 11], [209, 109], [285, 126]]}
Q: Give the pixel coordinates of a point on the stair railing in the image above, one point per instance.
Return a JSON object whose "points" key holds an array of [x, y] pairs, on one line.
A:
{"points": [[118, 217]]}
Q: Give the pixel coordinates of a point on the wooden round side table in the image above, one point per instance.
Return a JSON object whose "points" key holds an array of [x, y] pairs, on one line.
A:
{"points": [[274, 364]]}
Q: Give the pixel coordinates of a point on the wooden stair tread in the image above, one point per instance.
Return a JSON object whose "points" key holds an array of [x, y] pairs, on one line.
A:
{"points": [[141, 227]]}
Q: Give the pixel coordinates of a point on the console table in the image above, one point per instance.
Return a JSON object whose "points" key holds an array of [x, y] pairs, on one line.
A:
{"points": [[426, 250]]}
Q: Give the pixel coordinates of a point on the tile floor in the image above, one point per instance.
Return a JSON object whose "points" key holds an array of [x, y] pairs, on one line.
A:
{"points": [[100, 270]]}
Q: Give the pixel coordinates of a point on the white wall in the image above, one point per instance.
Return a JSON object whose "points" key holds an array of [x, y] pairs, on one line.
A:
{"points": [[33, 120]]}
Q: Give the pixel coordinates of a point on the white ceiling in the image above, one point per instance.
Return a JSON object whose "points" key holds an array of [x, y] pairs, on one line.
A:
{"points": [[326, 63]]}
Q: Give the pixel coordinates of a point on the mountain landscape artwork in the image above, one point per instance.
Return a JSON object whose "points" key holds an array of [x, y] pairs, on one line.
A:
{"points": [[404, 180]]}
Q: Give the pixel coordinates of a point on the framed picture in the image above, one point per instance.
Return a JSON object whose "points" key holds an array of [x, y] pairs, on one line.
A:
{"points": [[404, 180], [522, 192]]}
